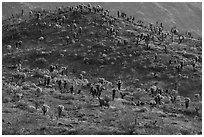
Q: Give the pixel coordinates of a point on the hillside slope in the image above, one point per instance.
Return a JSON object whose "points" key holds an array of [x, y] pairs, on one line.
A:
{"points": [[91, 42]]}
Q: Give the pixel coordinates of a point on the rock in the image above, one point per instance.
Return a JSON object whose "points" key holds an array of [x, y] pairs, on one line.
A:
{"points": [[60, 123], [143, 109], [31, 109]]}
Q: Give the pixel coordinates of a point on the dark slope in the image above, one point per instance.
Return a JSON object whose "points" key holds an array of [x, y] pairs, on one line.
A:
{"points": [[56, 38]]}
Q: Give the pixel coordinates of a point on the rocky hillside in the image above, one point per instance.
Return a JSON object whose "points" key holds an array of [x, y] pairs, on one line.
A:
{"points": [[184, 15], [149, 58]]}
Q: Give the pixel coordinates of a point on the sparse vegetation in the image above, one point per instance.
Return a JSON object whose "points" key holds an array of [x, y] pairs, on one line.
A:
{"points": [[80, 70]]}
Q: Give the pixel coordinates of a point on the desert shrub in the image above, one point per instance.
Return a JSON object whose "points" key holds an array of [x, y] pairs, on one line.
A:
{"points": [[7, 111], [24, 131], [138, 95], [19, 75], [185, 132], [38, 74], [106, 98], [26, 87], [188, 55], [6, 99], [70, 102], [128, 121], [64, 97], [190, 112], [40, 62], [22, 105]]}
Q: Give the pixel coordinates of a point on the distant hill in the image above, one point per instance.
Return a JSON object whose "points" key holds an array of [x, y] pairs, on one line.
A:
{"points": [[184, 15]]}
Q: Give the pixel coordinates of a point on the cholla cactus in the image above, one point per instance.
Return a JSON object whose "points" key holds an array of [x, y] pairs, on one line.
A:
{"points": [[187, 102], [60, 109], [38, 91], [45, 109]]}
